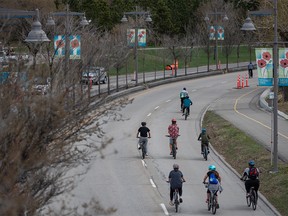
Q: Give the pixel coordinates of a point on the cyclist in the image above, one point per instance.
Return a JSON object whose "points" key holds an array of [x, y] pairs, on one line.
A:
{"points": [[176, 180], [173, 131], [186, 104], [204, 137], [144, 133], [251, 177], [183, 94], [214, 178]]}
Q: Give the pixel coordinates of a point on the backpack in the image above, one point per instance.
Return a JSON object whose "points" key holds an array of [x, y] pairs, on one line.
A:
{"points": [[182, 94], [204, 138], [253, 173], [212, 178]]}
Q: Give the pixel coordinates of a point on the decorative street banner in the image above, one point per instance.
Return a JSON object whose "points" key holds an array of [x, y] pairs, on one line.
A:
{"points": [[75, 46], [141, 37], [212, 33], [283, 67], [264, 63], [59, 45]]}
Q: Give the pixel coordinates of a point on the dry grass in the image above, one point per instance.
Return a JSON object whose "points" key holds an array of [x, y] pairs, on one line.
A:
{"points": [[238, 148]]}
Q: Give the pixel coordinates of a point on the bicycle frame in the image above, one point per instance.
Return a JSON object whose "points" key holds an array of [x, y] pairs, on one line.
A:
{"points": [[212, 202], [252, 198], [176, 199]]}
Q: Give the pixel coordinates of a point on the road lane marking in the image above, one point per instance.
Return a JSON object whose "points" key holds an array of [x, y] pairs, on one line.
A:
{"points": [[168, 101], [164, 209], [235, 109], [149, 114], [144, 164], [156, 107], [152, 183]]}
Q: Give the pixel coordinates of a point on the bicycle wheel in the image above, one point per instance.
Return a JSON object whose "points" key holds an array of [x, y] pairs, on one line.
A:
{"points": [[143, 151], [205, 153], [209, 204], [174, 149], [176, 201], [186, 113], [248, 200], [214, 205], [254, 199]]}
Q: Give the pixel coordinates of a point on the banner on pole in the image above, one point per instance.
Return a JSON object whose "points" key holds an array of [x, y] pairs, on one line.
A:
{"points": [[213, 34], [141, 37], [74, 46], [264, 61], [283, 67]]}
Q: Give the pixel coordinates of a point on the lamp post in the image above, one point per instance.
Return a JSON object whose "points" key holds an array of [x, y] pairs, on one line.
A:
{"points": [[248, 25], [147, 19], [67, 14], [216, 34]]}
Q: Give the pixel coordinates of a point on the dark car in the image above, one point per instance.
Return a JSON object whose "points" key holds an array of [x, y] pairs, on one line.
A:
{"points": [[95, 75]]}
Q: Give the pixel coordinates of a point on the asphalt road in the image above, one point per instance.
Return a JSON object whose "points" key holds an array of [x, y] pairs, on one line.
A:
{"points": [[138, 187]]}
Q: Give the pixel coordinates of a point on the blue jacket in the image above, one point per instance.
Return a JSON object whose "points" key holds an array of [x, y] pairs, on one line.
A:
{"points": [[187, 102]]}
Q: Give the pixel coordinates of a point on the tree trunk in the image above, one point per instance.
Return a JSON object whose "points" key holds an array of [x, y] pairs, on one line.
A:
{"points": [[285, 93]]}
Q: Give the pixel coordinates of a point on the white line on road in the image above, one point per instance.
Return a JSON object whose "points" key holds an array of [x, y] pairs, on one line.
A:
{"points": [[194, 90], [152, 183], [164, 209], [156, 107], [144, 164], [149, 114], [168, 101]]}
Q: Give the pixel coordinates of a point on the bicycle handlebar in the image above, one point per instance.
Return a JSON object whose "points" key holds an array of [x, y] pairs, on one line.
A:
{"points": [[169, 135]]}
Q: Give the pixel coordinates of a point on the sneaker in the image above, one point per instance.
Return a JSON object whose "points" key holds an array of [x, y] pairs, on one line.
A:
{"points": [[171, 203], [176, 148], [217, 206], [139, 147], [171, 153], [180, 200], [146, 155], [202, 152]]}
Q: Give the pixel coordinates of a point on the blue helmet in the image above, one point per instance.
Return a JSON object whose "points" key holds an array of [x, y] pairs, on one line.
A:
{"points": [[203, 130], [251, 163], [212, 167]]}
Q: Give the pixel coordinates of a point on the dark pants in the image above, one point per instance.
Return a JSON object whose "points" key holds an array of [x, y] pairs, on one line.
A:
{"points": [[188, 110], [172, 191], [182, 99], [250, 72], [252, 183], [202, 146]]}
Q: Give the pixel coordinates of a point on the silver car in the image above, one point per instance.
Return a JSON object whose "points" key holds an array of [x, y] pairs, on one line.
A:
{"points": [[95, 75]]}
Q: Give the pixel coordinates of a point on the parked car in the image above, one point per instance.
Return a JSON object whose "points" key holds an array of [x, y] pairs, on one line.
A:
{"points": [[94, 75]]}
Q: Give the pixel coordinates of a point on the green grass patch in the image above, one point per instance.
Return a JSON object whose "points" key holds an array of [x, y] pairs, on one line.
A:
{"points": [[238, 148]]}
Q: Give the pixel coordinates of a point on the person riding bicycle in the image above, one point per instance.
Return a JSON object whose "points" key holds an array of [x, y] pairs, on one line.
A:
{"points": [[214, 179], [251, 177], [144, 133], [176, 180], [173, 131], [186, 104], [204, 137], [183, 95]]}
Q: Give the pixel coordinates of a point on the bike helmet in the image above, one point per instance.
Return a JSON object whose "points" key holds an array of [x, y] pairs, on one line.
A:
{"points": [[143, 123], [203, 130], [251, 163], [173, 120], [175, 166], [212, 167]]}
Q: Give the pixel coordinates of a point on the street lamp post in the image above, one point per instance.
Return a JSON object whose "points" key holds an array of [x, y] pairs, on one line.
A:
{"points": [[216, 34], [248, 25], [147, 19], [67, 14]]}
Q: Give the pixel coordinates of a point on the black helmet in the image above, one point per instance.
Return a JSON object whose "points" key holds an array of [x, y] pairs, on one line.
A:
{"points": [[143, 123]]}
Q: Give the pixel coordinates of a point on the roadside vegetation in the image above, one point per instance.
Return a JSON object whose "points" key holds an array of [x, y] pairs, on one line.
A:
{"points": [[237, 148]]}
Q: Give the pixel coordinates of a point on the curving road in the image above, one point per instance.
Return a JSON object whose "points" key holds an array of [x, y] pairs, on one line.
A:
{"points": [[137, 187]]}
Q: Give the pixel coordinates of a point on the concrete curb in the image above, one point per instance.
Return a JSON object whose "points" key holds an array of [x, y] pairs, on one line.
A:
{"points": [[265, 105]]}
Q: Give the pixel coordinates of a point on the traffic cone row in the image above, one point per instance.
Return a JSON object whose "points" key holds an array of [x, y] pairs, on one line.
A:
{"points": [[240, 82]]}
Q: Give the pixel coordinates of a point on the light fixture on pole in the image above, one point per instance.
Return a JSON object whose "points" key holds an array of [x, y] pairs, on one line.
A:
{"points": [[147, 19], [248, 25]]}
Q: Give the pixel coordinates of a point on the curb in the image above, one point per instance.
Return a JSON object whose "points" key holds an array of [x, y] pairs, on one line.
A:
{"points": [[265, 105]]}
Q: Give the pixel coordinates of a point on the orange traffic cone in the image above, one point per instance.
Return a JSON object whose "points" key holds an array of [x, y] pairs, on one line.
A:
{"points": [[242, 82], [247, 85], [238, 82]]}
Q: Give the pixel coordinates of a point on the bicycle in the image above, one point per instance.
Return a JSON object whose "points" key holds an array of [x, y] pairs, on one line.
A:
{"points": [[174, 147], [176, 200], [252, 198], [185, 112], [142, 147], [205, 151], [212, 202]]}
